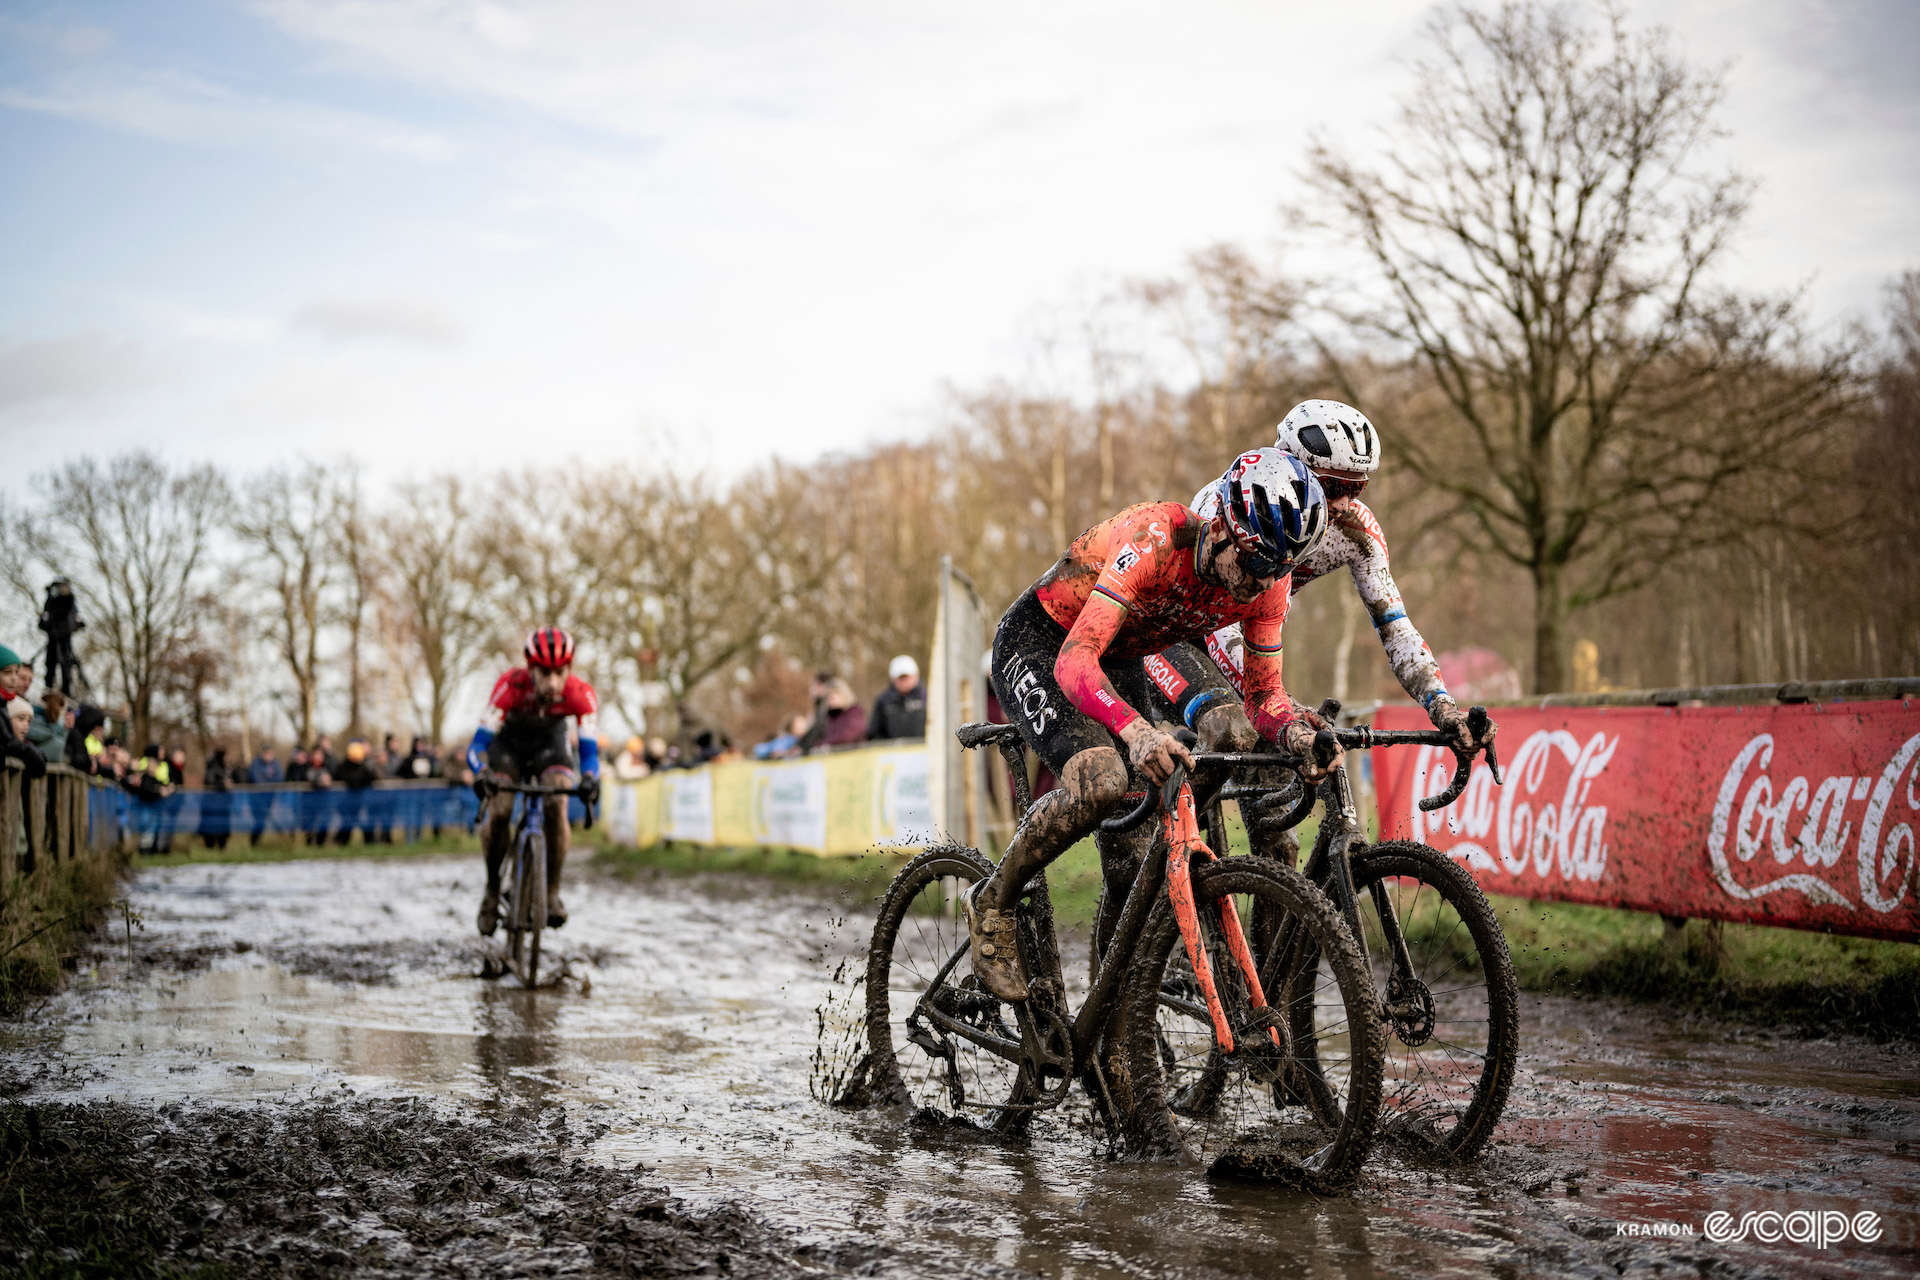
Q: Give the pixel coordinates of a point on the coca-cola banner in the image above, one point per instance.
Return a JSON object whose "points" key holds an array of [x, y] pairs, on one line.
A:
{"points": [[1784, 815]]}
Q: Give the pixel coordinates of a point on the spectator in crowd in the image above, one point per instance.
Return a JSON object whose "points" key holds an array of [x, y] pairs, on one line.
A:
{"points": [[390, 756], [846, 719], [356, 775], [177, 765], [418, 763], [266, 767], [151, 781], [656, 754], [114, 759], [85, 745], [631, 763], [216, 806], [50, 724], [320, 757], [19, 719], [901, 709], [783, 745], [15, 678], [298, 770], [817, 723]]}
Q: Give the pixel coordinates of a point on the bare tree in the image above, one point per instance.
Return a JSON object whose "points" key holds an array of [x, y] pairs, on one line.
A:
{"points": [[288, 521], [133, 538], [1543, 224], [437, 587], [351, 548]]}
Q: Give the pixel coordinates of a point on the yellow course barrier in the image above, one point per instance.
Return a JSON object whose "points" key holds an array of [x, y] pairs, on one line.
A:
{"points": [[844, 802]]}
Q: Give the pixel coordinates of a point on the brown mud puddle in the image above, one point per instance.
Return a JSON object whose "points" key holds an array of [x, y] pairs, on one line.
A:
{"points": [[680, 1039]]}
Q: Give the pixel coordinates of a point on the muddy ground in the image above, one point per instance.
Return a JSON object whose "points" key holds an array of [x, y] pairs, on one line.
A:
{"points": [[295, 1069]]}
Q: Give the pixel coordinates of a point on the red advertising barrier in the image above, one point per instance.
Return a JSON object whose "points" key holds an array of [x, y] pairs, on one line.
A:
{"points": [[1801, 816]]}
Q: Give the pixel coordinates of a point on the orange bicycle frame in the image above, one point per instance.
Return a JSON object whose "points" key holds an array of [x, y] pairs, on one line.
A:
{"points": [[1184, 847]]}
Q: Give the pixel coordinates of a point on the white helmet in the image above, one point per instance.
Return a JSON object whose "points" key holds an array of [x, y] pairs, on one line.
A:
{"points": [[1330, 436]]}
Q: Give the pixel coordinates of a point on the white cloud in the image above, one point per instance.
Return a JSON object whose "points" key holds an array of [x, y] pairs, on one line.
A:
{"points": [[377, 319], [81, 367], [177, 106]]}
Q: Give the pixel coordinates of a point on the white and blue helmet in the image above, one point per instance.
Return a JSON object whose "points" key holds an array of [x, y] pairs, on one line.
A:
{"points": [[1274, 507]]}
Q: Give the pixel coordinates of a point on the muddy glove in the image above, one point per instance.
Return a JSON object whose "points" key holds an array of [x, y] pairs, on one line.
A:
{"points": [[1153, 751], [1298, 740], [1449, 718]]}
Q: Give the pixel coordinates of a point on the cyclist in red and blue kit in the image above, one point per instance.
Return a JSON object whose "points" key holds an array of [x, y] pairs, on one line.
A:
{"points": [[523, 737]]}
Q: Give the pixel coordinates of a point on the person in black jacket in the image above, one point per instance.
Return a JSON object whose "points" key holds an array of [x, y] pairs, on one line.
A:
{"points": [[900, 711], [216, 805]]}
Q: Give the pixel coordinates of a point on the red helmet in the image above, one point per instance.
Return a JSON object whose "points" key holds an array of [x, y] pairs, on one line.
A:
{"points": [[550, 647]]}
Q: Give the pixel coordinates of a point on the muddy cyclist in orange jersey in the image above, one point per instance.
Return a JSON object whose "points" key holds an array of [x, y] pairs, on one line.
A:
{"points": [[523, 738], [1067, 661]]}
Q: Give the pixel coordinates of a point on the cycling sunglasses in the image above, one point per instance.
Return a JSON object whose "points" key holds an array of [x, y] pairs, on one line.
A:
{"points": [[1263, 566], [1337, 486]]}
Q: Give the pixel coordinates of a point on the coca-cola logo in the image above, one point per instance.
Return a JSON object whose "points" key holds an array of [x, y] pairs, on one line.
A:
{"points": [[1541, 821], [1751, 817]]}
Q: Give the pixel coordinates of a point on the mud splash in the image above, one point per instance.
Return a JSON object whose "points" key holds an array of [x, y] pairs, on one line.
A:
{"points": [[683, 1039]]}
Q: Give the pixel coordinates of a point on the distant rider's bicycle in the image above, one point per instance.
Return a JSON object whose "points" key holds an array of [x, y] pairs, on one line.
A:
{"points": [[523, 880]]}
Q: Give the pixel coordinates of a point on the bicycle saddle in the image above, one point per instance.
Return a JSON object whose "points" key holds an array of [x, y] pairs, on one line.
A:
{"points": [[981, 735]]}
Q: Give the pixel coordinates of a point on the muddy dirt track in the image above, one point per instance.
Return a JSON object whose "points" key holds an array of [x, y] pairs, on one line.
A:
{"points": [[299, 1072]]}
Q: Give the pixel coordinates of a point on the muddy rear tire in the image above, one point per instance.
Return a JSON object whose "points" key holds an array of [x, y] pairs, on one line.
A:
{"points": [[918, 960], [1248, 1112]]}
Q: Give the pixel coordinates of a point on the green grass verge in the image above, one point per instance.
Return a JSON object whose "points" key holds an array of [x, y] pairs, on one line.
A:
{"points": [[42, 918]]}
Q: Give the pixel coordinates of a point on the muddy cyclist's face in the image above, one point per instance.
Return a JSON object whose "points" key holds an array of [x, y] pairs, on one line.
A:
{"points": [[549, 682], [1239, 583], [1341, 487]]}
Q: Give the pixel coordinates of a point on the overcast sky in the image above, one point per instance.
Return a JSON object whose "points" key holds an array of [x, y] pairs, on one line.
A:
{"points": [[449, 233]]}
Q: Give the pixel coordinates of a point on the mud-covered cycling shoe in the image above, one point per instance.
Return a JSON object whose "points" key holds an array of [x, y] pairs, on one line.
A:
{"points": [[556, 910], [996, 951], [489, 918]]}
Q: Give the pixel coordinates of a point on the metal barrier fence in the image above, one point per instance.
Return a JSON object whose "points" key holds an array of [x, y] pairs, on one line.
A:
{"points": [[389, 810]]}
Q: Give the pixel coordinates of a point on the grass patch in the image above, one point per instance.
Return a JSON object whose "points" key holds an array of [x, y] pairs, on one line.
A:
{"points": [[43, 914], [1820, 982], [286, 849]]}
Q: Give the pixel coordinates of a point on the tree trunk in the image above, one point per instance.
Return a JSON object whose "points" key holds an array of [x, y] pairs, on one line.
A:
{"points": [[1549, 630]]}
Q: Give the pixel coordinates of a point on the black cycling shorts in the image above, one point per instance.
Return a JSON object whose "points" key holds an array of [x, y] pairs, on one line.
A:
{"points": [[528, 746], [1186, 683], [1025, 647]]}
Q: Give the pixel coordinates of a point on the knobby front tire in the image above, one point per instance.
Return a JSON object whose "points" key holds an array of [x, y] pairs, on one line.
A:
{"points": [[1452, 1039], [529, 905], [915, 1063], [1249, 1110]]}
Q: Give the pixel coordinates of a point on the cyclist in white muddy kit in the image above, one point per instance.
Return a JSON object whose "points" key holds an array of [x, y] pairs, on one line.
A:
{"points": [[1342, 448]]}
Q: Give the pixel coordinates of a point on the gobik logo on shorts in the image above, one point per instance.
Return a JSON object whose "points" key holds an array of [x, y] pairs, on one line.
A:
{"points": [[1819, 1228], [1027, 693]]}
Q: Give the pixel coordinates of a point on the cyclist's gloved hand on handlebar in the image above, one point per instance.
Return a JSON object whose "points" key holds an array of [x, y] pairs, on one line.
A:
{"points": [[1448, 717], [589, 790], [1299, 737], [1153, 751]]}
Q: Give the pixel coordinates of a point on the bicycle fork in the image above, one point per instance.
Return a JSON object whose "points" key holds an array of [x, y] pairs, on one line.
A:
{"points": [[1184, 845], [1340, 874]]}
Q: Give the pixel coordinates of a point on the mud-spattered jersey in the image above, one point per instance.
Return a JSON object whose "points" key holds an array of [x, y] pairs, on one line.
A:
{"points": [[1130, 586], [1354, 542]]}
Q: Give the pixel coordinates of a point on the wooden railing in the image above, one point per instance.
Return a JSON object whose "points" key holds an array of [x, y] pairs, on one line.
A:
{"points": [[44, 820]]}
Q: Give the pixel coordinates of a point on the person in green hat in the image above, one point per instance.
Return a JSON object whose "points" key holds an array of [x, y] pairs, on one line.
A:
{"points": [[15, 678]]}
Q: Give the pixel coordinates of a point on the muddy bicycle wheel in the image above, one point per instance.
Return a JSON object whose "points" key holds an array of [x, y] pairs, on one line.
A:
{"points": [[1452, 1031], [1194, 1100], [529, 905], [932, 1028]]}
